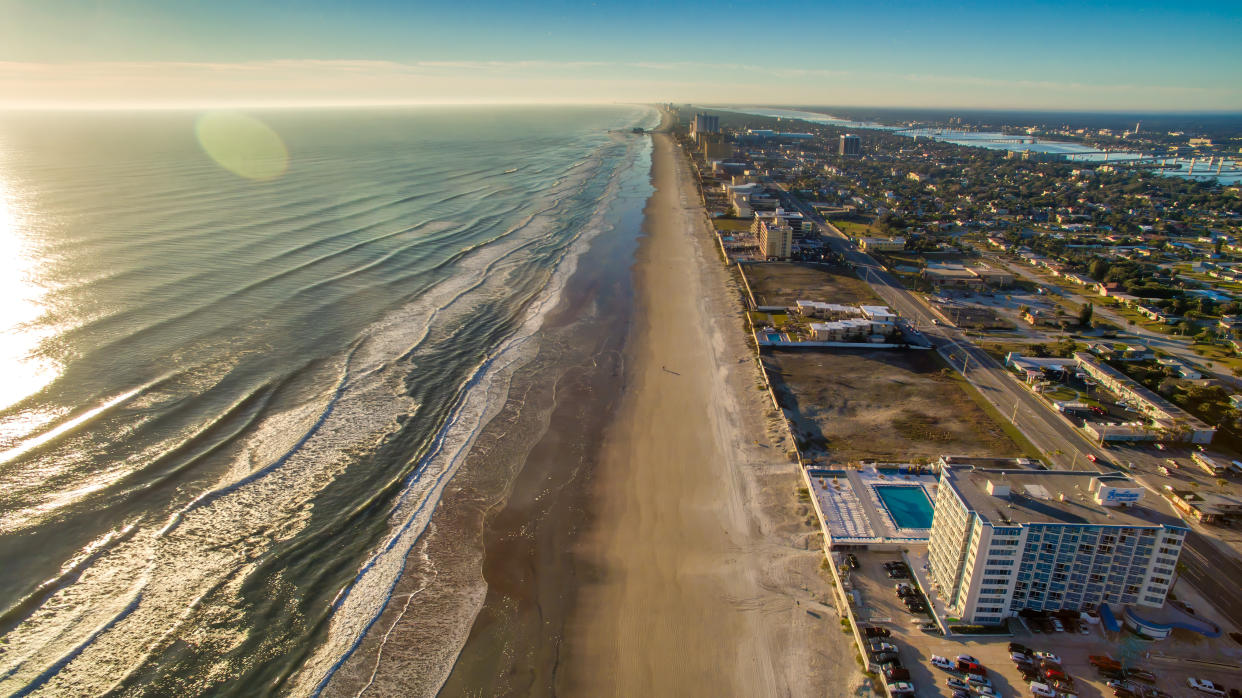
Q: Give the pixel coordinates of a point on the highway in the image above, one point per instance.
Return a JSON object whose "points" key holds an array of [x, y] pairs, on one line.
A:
{"points": [[1215, 575]]}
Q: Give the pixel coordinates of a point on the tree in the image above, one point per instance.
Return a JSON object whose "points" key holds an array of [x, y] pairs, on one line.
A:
{"points": [[1084, 314], [1098, 269]]}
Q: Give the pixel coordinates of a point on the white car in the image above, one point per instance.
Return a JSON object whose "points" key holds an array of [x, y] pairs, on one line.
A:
{"points": [[1057, 624], [1049, 657], [1042, 690], [1205, 686], [901, 686], [984, 691], [942, 662]]}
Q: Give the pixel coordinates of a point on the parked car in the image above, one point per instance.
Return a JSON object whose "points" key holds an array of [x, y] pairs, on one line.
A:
{"points": [[1019, 658], [1051, 674], [1019, 647], [1141, 675], [1058, 626], [876, 631], [942, 662], [1103, 661], [962, 694], [984, 690], [975, 680], [1205, 686], [971, 668], [901, 686], [879, 646], [956, 683], [1042, 690], [896, 673], [1048, 656], [882, 657], [967, 658]]}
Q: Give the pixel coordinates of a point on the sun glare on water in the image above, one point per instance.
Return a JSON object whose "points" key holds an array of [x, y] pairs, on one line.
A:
{"points": [[24, 373]]}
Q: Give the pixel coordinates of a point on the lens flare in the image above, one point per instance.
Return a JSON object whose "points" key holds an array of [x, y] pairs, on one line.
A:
{"points": [[242, 145]]}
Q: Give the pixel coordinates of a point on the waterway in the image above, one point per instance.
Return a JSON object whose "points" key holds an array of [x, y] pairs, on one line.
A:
{"points": [[992, 140]]}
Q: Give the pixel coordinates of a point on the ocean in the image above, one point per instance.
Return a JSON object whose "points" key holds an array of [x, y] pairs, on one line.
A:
{"points": [[244, 358]]}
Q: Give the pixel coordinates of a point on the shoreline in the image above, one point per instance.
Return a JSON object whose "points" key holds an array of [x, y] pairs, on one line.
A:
{"points": [[638, 504]]}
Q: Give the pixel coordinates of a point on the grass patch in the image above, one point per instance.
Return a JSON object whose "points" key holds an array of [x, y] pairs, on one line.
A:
{"points": [[857, 228], [917, 426], [1028, 449], [732, 225]]}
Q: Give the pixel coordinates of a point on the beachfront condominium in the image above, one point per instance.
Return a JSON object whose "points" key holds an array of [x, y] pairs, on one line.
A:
{"points": [[775, 240], [850, 144], [704, 124], [1005, 540]]}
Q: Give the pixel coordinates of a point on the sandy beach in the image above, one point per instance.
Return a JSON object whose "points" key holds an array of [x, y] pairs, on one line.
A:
{"points": [[706, 575]]}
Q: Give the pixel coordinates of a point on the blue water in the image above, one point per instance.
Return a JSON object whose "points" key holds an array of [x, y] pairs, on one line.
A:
{"points": [[231, 404], [908, 505]]}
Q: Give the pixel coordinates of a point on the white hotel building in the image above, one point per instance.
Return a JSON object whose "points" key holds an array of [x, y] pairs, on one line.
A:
{"points": [[1006, 540]]}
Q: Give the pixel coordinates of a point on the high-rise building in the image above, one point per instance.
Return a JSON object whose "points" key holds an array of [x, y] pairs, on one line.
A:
{"points": [[704, 123], [850, 144], [775, 240], [1006, 540]]}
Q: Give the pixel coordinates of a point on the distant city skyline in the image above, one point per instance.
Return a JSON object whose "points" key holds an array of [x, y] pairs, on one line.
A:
{"points": [[1141, 56]]}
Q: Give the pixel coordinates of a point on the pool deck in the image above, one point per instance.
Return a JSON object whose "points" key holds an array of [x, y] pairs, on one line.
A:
{"points": [[851, 511]]}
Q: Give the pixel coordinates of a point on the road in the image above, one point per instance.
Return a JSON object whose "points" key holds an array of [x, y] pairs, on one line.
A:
{"points": [[1064, 446]]}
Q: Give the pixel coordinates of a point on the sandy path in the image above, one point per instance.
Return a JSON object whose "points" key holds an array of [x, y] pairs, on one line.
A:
{"points": [[704, 570]]}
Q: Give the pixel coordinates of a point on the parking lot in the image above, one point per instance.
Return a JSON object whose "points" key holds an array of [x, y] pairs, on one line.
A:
{"points": [[1171, 661]]}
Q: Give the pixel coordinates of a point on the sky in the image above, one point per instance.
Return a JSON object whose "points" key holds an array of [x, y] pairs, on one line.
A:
{"points": [[1063, 55]]}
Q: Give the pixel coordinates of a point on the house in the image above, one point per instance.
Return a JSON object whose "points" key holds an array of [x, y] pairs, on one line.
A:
{"points": [[1156, 314]]}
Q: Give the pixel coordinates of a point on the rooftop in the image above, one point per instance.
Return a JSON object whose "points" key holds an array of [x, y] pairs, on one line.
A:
{"points": [[1035, 496]]}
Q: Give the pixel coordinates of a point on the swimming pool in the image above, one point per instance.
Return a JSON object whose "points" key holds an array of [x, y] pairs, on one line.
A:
{"points": [[908, 505]]}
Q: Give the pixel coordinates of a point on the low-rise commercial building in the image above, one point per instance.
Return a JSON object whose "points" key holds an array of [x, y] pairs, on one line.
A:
{"points": [[1176, 423], [951, 275], [872, 244], [1006, 540], [1206, 507]]}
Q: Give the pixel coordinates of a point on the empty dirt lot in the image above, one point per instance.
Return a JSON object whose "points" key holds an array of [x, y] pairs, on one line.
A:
{"points": [[886, 405], [783, 283]]}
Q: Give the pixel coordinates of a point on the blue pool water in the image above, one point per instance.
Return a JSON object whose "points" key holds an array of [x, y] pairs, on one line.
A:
{"points": [[907, 504]]}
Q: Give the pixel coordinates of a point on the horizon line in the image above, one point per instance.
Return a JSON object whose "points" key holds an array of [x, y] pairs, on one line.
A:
{"points": [[59, 106]]}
